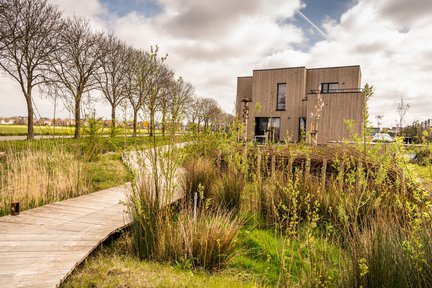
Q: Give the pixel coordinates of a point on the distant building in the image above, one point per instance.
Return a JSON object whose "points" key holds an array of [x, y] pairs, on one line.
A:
{"points": [[289, 97]]}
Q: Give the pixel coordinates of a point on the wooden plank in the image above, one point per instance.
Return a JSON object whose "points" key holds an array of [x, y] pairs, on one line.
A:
{"points": [[41, 246]]}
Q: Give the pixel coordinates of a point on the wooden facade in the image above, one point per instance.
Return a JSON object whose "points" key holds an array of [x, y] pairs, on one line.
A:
{"points": [[342, 109]]}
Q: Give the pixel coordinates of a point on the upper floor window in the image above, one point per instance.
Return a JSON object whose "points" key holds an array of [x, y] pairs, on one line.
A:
{"points": [[281, 96], [329, 87]]}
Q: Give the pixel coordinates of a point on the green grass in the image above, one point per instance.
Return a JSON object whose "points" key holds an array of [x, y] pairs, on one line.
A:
{"points": [[115, 266], [21, 130], [423, 174], [106, 172], [255, 264], [107, 144]]}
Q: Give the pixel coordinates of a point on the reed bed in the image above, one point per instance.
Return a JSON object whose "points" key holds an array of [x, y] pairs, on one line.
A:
{"points": [[37, 177]]}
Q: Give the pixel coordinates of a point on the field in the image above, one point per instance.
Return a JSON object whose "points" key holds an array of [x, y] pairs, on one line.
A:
{"points": [[21, 130]]}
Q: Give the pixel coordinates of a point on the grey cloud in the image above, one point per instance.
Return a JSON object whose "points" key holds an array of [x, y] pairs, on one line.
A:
{"points": [[203, 52], [208, 19], [406, 12], [372, 47]]}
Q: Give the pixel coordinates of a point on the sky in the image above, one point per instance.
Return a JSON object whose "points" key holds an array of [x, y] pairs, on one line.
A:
{"points": [[211, 43]]}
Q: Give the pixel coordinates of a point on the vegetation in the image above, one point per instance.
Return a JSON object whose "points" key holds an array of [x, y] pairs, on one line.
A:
{"points": [[44, 171], [363, 221], [37, 176]]}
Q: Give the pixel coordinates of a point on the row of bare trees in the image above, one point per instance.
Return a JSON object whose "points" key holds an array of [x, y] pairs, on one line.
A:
{"points": [[67, 59]]}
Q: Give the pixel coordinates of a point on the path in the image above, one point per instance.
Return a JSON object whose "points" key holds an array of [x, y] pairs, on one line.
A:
{"points": [[41, 246]]}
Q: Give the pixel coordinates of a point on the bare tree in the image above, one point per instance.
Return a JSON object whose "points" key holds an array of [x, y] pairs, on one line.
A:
{"points": [[74, 66], [402, 109], [28, 36], [113, 71], [154, 85], [194, 112], [180, 98], [142, 67], [210, 111], [131, 91]]}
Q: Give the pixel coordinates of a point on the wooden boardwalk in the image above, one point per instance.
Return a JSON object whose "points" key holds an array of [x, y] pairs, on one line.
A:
{"points": [[41, 246]]}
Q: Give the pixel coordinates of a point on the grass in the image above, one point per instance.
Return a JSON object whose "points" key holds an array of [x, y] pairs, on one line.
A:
{"points": [[36, 177], [367, 225], [21, 130], [255, 264], [107, 144], [106, 172], [116, 266], [39, 172], [423, 174]]}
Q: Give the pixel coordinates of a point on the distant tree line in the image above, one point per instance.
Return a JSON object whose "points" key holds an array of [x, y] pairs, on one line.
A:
{"points": [[67, 60]]}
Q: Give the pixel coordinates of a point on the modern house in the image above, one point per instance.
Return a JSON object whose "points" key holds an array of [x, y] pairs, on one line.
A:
{"points": [[300, 103]]}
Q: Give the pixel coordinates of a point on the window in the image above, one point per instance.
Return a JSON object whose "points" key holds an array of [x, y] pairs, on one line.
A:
{"points": [[302, 129], [281, 95], [266, 130], [329, 87]]}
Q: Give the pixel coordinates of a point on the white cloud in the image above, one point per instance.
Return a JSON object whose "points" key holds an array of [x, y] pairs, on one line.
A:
{"points": [[396, 62], [210, 44]]}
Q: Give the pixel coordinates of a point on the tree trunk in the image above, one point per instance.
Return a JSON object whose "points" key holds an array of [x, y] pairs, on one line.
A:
{"points": [[152, 124], [77, 117], [135, 116], [163, 123], [30, 125], [113, 117]]}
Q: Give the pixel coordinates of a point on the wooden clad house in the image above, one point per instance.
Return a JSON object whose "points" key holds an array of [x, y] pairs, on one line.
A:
{"points": [[291, 103]]}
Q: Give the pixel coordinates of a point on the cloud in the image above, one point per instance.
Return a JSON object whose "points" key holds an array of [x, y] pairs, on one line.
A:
{"points": [[211, 43], [396, 62], [220, 41]]}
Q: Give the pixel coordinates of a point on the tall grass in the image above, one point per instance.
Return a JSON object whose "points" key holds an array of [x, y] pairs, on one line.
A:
{"points": [[199, 172], [368, 206], [36, 177], [207, 242], [166, 234], [227, 191]]}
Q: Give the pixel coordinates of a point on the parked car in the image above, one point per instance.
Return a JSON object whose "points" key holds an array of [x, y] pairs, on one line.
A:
{"points": [[382, 137]]}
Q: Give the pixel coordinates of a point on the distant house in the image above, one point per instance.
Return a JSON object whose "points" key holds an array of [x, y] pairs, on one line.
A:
{"points": [[284, 101], [6, 121]]}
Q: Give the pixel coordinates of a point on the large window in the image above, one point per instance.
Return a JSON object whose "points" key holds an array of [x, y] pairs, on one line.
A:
{"points": [[281, 95], [329, 87], [266, 130]]}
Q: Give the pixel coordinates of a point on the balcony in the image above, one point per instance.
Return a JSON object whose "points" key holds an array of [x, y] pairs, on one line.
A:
{"points": [[334, 91]]}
